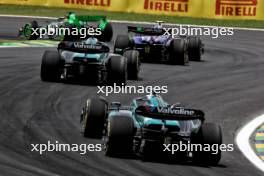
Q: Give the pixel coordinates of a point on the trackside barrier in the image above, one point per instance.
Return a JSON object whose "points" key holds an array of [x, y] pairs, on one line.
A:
{"points": [[217, 9]]}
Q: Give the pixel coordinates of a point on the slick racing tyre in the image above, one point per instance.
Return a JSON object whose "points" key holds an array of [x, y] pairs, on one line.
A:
{"points": [[93, 118], [107, 33], [209, 134], [133, 64], [28, 30], [122, 42], [119, 136], [178, 52], [117, 71], [68, 35], [50, 66], [195, 49]]}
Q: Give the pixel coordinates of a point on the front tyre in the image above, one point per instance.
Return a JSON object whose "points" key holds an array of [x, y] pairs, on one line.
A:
{"points": [[195, 49], [117, 72], [178, 52], [93, 118], [133, 64]]}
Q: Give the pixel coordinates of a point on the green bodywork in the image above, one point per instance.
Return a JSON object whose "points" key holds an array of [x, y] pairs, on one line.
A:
{"points": [[76, 20], [82, 19]]}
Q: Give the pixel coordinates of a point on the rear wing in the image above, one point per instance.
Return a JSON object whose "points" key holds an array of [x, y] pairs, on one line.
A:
{"points": [[170, 113], [85, 18], [83, 48], [145, 30]]}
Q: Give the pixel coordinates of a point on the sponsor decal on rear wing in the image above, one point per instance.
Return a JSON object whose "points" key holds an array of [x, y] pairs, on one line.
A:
{"points": [[82, 47], [168, 113]]}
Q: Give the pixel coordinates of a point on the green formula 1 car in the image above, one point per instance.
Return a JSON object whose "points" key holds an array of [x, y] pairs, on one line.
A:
{"points": [[31, 30]]}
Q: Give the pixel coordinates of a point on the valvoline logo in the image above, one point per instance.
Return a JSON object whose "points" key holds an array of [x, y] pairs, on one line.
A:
{"points": [[102, 3], [169, 110], [236, 7], [167, 5], [177, 111]]}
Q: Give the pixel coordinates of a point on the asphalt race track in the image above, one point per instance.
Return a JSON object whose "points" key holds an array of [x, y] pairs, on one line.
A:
{"points": [[228, 85]]}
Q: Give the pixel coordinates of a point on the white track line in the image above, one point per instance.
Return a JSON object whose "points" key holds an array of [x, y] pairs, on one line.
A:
{"points": [[25, 16], [138, 22], [243, 141]]}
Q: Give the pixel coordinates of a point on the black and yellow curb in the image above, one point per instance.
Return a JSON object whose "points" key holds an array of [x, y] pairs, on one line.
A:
{"points": [[259, 142]]}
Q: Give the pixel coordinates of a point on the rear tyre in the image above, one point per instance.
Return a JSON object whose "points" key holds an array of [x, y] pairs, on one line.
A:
{"points": [[67, 36], [93, 118], [209, 134], [178, 52], [117, 70], [50, 66], [107, 33], [133, 64], [122, 42], [119, 136], [195, 49]]}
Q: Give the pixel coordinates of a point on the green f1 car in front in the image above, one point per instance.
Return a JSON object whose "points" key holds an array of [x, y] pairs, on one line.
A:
{"points": [[31, 30]]}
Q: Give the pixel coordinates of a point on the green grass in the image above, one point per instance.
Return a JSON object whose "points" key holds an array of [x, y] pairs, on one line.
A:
{"points": [[57, 12]]}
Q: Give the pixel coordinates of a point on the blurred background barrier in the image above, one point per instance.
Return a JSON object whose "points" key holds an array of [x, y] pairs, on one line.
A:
{"points": [[217, 9]]}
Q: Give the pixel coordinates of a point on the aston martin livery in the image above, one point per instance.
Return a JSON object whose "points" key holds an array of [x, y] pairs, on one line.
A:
{"points": [[89, 60], [149, 123]]}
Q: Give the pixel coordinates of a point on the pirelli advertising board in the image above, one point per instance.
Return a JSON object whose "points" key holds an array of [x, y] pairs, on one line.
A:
{"points": [[219, 9]]}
